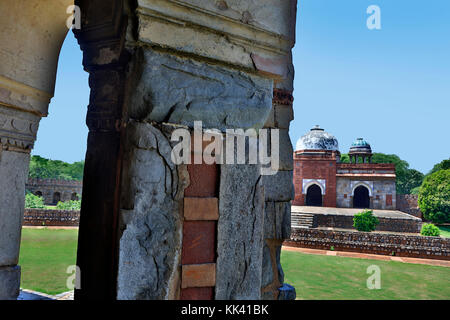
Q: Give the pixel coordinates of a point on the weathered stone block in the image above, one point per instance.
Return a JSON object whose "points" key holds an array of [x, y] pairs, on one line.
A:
{"points": [[284, 114], [14, 171], [9, 283], [287, 292], [277, 220], [279, 187], [151, 218], [240, 233], [180, 90]]}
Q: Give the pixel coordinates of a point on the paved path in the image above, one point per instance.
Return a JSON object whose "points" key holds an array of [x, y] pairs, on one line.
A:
{"points": [[26, 294], [351, 212], [431, 262]]}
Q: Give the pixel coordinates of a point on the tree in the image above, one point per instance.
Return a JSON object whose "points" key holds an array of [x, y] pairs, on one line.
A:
{"points": [[434, 197], [443, 165], [34, 202], [407, 179], [43, 168]]}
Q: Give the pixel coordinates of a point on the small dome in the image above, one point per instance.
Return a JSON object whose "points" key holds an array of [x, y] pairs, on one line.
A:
{"points": [[360, 146], [317, 139]]}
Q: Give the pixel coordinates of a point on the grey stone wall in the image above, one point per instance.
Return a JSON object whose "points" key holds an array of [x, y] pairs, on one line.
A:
{"points": [[48, 187], [378, 200], [369, 242], [150, 216]]}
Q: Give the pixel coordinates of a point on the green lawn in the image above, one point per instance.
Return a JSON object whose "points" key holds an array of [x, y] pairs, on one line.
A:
{"points": [[445, 231], [335, 278], [45, 255]]}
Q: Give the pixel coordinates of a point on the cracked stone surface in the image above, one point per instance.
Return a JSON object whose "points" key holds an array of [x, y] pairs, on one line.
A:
{"points": [[240, 233], [178, 90], [150, 244]]}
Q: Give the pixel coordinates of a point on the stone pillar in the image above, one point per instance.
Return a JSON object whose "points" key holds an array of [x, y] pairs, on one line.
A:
{"points": [[31, 34], [17, 133], [159, 65]]}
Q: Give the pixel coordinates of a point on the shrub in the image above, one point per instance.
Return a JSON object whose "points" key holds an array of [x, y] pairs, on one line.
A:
{"points": [[34, 202], [69, 205], [430, 230], [365, 221], [434, 199]]}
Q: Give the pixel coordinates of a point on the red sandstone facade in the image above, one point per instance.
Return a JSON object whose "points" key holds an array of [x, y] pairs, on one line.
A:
{"points": [[318, 170]]}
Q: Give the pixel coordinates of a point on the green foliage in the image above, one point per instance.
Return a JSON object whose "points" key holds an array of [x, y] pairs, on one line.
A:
{"points": [[365, 221], [443, 165], [430, 230], [34, 202], [415, 190], [43, 168], [345, 158], [434, 197], [69, 205], [407, 179]]}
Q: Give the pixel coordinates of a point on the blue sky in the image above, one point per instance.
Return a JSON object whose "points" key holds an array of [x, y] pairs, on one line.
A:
{"points": [[389, 86]]}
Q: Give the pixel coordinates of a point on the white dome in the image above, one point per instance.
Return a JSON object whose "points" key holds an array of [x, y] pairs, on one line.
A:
{"points": [[317, 139]]}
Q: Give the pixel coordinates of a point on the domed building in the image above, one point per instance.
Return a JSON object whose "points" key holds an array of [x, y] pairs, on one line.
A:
{"points": [[321, 179]]}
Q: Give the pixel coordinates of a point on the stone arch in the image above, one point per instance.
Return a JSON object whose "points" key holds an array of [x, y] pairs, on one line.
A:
{"points": [[38, 193], [74, 196], [56, 197], [314, 195], [364, 184], [309, 183], [361, 197]]}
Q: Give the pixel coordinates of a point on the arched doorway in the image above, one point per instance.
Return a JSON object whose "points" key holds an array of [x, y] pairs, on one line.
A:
{"points": [[314, 196], [56, 197], [361, 198], [74, 196]]}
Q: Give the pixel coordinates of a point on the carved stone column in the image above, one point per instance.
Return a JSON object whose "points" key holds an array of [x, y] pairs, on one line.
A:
{"points": [[17, 135], [31, 35]]}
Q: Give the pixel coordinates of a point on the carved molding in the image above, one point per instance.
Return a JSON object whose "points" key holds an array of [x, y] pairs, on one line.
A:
{"points": [[17, 133], [187, 28], [17, 95]]}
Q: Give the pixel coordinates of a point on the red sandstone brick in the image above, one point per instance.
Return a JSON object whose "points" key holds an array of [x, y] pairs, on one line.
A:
{"points": [[206, 293], [389, 199], [204, 180], [199, 242], [198, 275], [201, 209]]}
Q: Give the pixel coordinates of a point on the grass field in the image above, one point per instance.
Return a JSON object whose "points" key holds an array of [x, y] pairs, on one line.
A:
{"points": [[332, 277], [45, 255], [445, 231]]}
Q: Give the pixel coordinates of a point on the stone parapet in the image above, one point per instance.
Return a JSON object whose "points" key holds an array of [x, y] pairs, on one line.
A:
{"points": [[375, 243], [60, 218]]}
